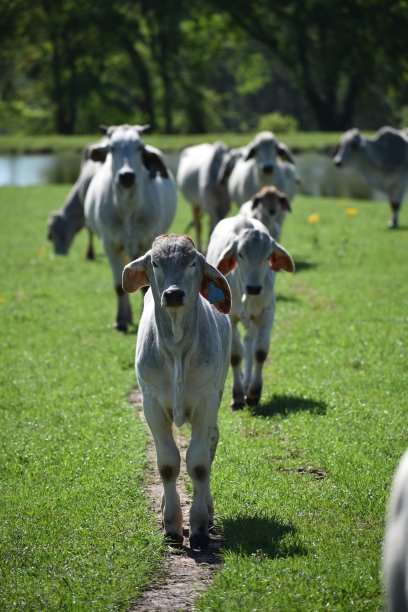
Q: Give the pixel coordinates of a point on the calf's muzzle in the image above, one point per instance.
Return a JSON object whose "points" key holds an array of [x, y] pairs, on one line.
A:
{"points": [[254, 289], [173, 297], [127, 178]]}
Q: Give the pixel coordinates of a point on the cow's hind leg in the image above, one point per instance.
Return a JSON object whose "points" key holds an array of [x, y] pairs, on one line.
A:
{"points": [[395, 208], [168, 464]]}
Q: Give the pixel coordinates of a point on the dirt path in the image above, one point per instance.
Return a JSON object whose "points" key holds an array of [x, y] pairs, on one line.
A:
{"points": [[187, 572]]}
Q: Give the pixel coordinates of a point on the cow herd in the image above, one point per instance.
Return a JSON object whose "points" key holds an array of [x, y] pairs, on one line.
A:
{"points": [[196, 304]]}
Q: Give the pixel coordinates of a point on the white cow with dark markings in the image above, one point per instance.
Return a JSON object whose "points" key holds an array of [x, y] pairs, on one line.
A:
{"points": [[243, 250], [395, 564], [182, 357], [266, 161], [382, 160], [202, 178], [130, 201]]}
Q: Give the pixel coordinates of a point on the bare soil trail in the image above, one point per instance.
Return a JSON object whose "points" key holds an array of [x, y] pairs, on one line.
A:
{"points": [[187, 572]]}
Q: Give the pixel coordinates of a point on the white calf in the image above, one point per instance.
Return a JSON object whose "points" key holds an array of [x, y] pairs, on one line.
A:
{"points": [[269, 206], [182, 354], [243, 250], [396, 542]]}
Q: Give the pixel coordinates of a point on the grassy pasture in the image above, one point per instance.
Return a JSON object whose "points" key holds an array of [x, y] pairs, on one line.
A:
{"points": [[300, 482]]}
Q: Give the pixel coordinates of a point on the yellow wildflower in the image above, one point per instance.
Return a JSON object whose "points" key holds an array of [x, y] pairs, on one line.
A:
{"points": [[351, 212], [313, 218]]}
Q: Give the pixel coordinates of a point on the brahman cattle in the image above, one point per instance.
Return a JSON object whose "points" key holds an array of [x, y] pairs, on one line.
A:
{"points": [[395, 563], [269, 206], [70, 218], [202, 178], [243, 250], [265, 162], [182, 357], [382, 160], [130, 201]]}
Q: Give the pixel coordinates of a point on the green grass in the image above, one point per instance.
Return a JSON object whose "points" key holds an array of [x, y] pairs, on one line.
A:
{"points": [[19, 144], [300, 483]]}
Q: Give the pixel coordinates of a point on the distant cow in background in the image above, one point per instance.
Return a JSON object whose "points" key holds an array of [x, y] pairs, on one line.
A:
{"points": [[130, 201], [65, 223], [266, 161], [243, 250], [182, 357], [202, 178], [382, 160], [395, 562], [269, 206]]}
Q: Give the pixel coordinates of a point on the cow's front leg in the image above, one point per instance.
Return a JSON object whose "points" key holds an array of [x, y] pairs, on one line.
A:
{"points": [[204, 438], [260, 353], [168, 464], [124, 311], [238, 391], [249, 338]]}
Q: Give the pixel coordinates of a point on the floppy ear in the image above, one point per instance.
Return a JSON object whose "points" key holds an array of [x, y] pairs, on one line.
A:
{"points": [[285, 154], [135, 275], [215, 288], [97, 152], [284, 202], [154, 163], [228, 259], [250, 153], [281, 259]]}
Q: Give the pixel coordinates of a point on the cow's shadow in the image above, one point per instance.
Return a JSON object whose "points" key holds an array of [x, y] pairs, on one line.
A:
{"points": [[284, 405], [261, 536], [303, 266]]}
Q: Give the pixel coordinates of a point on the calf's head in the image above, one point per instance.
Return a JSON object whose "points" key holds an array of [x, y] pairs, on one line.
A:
{"points": [[254, 253], [177, 273], [268, 203], [350, 143], [266, 150], [128, 154], [59, 233]]}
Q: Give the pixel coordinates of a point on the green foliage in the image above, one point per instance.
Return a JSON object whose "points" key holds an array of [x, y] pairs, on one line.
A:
{"points": [[275, 122], [21, 118]]}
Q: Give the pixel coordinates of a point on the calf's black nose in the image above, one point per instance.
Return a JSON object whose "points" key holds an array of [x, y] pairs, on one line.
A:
{"points": [[127, 178], [254, 289], [174, 297], [267, 168]]}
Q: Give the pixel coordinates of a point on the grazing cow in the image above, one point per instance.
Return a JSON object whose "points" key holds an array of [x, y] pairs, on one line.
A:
{"points": [[382, 160], [202, 178], [395, 562], [243, 250], [70, 219], [130, 201], [265, 162], [182, 354], [269, 206]]}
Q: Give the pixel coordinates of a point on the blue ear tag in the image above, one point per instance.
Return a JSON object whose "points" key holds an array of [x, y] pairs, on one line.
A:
{"points": [[214, 293]]}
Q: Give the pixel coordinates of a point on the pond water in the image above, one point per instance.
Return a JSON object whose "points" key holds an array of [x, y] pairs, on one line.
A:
{"points": [[319, 175]]}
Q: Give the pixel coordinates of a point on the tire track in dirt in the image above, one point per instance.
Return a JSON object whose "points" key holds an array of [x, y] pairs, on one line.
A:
{"points": [[187, 572]]}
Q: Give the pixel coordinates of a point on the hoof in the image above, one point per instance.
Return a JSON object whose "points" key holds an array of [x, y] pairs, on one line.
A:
{"points": [[238, 405], [253, 400], [121, 327], [173, 538], [199, 541]]}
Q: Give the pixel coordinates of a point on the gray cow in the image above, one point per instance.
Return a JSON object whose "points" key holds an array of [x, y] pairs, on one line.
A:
{"points": [[382, 160], [66, 222], [182, 355], [269, 206], [130, 201], [395, 562], [202, 178], [265, 162]]}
